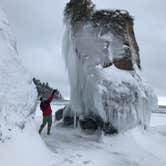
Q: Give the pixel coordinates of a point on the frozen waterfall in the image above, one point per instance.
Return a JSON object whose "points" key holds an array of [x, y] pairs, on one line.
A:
{"points": [[103, 62]]}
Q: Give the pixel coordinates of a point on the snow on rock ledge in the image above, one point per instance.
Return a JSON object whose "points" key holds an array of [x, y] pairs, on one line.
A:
{"points": [[127, 100], [17, 93]]}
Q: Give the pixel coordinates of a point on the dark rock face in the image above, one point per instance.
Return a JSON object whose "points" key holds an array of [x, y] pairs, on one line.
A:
{"points": [[68, 121], [88, 123], [124, 64], [78, 10], [91, 122], [109, 129], [118, 22], [68, 116], [95, 123], [59, 114]]}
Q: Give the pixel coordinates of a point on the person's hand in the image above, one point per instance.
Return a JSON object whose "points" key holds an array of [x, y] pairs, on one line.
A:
{"points": [[53, 92]]}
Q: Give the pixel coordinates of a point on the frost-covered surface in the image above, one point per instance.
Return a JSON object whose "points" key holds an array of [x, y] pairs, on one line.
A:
{"points": [[131, 148], [95, 54], [17, 93], [26, 148], [117, 96], [69, 147], [127, 99]]}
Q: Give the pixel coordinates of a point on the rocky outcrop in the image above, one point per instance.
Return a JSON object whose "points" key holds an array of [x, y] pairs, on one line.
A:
{"points": [[103, 61], [118, 23]]}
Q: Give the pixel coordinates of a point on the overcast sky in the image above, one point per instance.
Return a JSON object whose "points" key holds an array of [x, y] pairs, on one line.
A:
{"points": [[38, 28]]}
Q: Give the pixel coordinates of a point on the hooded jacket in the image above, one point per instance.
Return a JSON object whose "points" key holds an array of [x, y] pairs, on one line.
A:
{"points": [[45, 106]]}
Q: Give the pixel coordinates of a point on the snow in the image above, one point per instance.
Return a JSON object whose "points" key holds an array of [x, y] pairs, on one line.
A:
{"points": [[26, 149], [17, 94], [72, 147], [131, 148], [158, 120], [162, 100]]}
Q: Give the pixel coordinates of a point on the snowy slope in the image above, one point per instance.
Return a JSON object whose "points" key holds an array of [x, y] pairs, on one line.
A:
{"points": [[20, 143], [17, 94]]}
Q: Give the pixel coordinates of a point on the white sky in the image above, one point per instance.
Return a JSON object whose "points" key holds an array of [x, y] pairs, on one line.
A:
{"points": [[38, 29]]}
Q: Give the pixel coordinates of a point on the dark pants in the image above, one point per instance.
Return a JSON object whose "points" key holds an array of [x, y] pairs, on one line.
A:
{"points": [[46, 120]]}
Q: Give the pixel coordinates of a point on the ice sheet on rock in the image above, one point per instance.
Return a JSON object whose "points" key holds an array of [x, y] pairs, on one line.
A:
{"points": [[91, 49], [17, 94], [119, 97], [127, 100]]}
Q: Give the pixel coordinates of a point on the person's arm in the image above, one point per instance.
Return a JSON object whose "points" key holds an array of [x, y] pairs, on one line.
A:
{"points": [[52, 96]]}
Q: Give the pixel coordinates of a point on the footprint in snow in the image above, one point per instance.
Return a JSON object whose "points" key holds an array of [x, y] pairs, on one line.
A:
{"points": [[87, 162], [78, 155], [68, 160]]}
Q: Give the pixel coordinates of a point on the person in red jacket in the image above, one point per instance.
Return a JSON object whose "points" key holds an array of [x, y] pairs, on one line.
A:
{"points": [[47, 113]]}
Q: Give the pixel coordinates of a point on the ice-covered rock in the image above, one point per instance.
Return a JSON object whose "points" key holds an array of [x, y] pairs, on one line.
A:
{"points": [[17, 93], [103, 61]]}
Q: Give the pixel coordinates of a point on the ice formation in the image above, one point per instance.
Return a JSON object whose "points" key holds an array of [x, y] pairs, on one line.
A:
{"points": [[17, 93], [103, 62]]}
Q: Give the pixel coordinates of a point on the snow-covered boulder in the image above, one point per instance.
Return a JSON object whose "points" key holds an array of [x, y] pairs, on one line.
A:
{"points": [[17, 93], [103, 61]]}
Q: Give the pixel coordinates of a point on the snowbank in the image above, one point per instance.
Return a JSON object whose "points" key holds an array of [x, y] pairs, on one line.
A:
{"points": [[26, 148], [127, 100], [20, 143], [17, 93]]}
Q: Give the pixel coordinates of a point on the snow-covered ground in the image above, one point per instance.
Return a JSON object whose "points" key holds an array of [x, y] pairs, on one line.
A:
{"points": [[132, 148], [70, 147], [162, 100], [17, 92]]}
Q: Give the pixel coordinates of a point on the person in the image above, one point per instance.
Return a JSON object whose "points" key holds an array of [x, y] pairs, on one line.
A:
{"points": [[47, 113]]}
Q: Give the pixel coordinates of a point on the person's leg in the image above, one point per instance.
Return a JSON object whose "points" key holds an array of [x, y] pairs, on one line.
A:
{"points": [[49, 124], [43, 124]]}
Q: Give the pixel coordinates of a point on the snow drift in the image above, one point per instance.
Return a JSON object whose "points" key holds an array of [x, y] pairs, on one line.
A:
{"points": [[103, 61], [17, 93]]}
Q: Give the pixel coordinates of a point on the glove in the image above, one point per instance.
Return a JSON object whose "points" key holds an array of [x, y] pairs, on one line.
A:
{"points": [[53, 92]]}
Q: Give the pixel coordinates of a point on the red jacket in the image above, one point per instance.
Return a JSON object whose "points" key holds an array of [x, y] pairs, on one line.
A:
{"points": [[45, 106]]}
